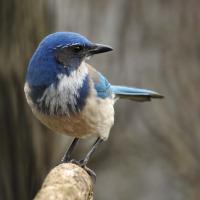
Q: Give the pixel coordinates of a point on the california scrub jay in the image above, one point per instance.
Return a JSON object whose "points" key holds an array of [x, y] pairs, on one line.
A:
{"points": [[68, 95]]}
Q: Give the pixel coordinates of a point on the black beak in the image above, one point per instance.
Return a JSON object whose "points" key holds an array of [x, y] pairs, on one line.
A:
{"points": [[99, 48]]}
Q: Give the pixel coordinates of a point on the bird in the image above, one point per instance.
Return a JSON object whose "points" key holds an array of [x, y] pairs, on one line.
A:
{"points": [[71, 97]]}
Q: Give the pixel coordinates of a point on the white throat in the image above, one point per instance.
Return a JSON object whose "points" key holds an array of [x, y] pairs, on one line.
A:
{"points": [[66, 92]]}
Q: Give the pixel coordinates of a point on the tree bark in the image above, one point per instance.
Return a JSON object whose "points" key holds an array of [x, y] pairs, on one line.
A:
{"points": [[66, 182]]}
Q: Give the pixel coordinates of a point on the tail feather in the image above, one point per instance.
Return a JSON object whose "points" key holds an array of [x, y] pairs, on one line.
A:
{"points": [[134, 94]]}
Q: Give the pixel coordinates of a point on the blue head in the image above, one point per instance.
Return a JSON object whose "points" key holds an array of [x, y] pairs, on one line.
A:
{"points": [[59, 53], [55, 87]]}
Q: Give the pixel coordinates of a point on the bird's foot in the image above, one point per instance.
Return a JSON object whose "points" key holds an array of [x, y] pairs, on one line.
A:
{"points": [[91, 173], [77, 162], [82, 164]]}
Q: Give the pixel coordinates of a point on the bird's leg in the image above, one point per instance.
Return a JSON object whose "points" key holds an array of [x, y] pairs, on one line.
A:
{"points": [[67, 155], [84, 162], [91, 151]]}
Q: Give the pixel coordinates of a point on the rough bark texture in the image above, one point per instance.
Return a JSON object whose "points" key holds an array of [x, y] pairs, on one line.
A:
{"points": [[66, 182]]}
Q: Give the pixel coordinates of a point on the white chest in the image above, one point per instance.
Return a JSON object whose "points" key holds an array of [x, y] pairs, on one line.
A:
{"points": [[62, 97]]}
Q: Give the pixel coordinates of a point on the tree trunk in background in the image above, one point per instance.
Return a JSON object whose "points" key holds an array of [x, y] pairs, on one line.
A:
{"points": [[154, 148], [23, 24]]}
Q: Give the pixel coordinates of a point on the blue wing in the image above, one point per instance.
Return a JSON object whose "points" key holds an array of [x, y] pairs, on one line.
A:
{"points": [[102, 87], [101, 84]]}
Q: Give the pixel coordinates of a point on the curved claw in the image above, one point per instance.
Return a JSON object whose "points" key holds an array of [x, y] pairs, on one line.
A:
{"points": [[82, 164], [91, 173], [77, 162]]}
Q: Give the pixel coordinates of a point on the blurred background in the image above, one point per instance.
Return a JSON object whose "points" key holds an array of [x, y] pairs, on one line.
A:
{"points": [[154, 148]]}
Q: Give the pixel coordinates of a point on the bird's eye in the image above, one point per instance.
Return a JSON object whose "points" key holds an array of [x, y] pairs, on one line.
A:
{"points": [[78, 48]]}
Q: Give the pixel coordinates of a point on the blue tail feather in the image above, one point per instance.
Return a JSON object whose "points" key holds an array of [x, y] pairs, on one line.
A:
{"points": [[135, 94]]}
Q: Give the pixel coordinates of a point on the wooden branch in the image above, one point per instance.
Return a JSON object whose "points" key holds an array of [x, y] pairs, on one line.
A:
{"points": [[66, 182]]}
